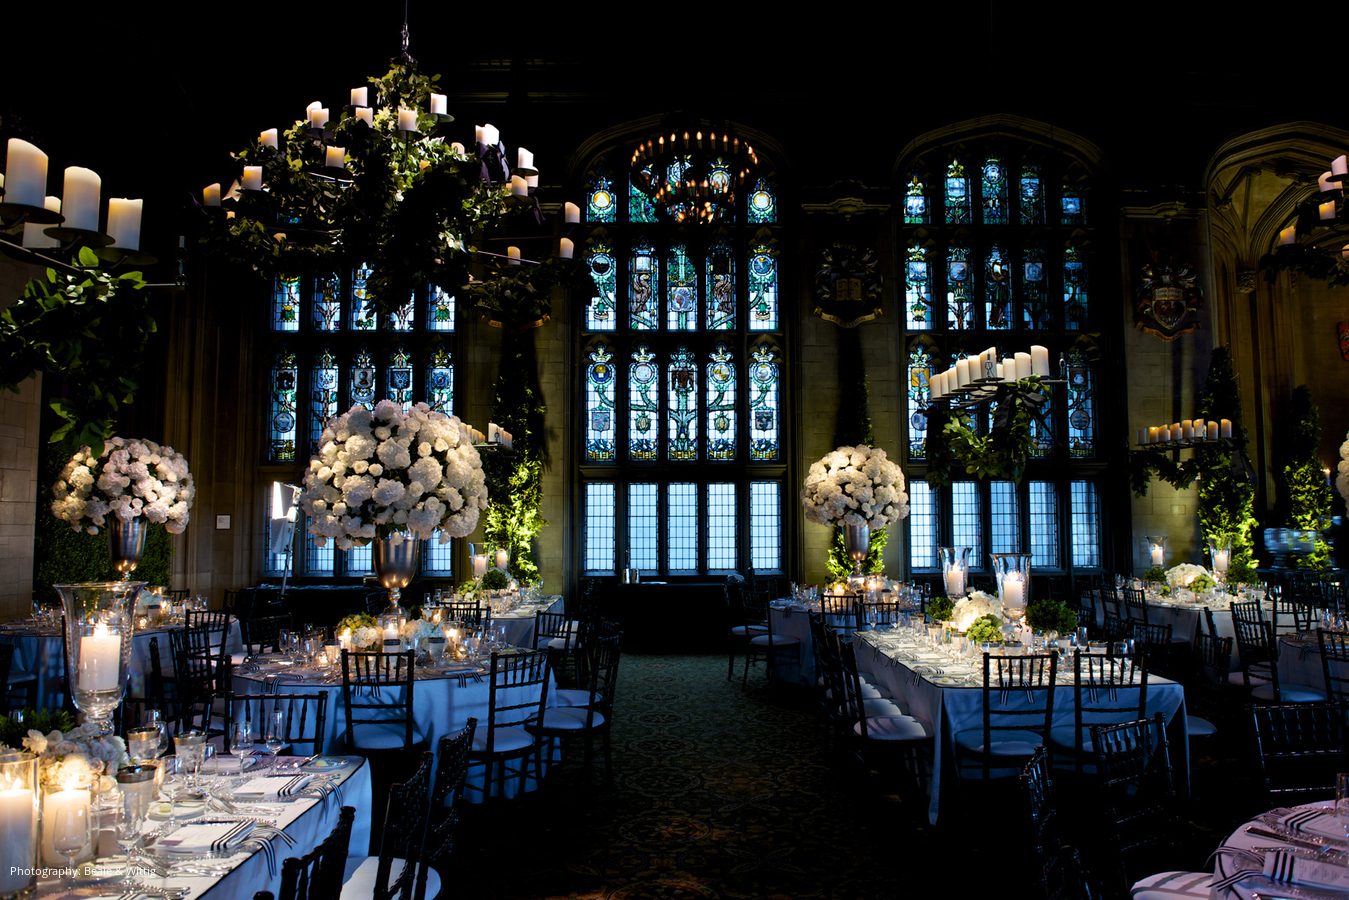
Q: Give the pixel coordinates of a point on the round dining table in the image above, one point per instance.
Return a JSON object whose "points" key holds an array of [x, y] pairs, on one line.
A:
{"points": [[1288, 852]]}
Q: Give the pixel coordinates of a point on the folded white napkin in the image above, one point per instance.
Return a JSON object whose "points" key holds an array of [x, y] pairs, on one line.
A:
{"points": [[233, 765], [272, 787], [1317, 822], [206, 838]]}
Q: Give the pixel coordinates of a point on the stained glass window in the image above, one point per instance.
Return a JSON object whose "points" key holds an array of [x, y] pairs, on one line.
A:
{"points": [[763, 408], [918, 290], [1074, 210], [681, 527], [323, 395], [681, 287], [643, 296], [439, 309], [1032, 196], [1081, 408], [682, 396], [998, 311], [763, 202], [957, 194], [721, 405], [994, 185], [286, 304], [640, 207], [959, 302], [327, 304], [318, 560], [599, 528], [363, 318], [915, 202], [600, 406], [643, 404], [722, 519], [1035, 311], [763, 289], [921, 366], [601, 205], [437, 558], [281, 429], [361, 560], [600, 314], [720, 287], [440, 381], [1074, 290], [643, 527], [765, 526], [1086, 524], [361, 384], [401, 318], [399, 378]]}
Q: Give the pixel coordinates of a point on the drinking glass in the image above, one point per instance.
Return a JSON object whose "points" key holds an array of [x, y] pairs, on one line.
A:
{"points": [[70, 835], [192, 749], [1342, 801], [136, 784], [275, 736], [241, 741]]}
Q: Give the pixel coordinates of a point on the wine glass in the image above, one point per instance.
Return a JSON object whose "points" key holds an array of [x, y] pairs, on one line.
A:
{"points": [[154, 718], [192, 749], [71, 835], [1342, 801], [275, 736], [241, 741]]}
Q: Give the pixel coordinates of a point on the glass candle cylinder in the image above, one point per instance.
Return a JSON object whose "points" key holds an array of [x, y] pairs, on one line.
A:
{"points": [[67, 815], [1156, 549], [1220, 554], [1013, 573], [99, 628], [19, 818], [955, 569]]}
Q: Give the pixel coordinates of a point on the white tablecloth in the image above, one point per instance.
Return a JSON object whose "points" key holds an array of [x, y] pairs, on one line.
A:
{"points": [[519, 622], [1226, 864], [794, 621]]}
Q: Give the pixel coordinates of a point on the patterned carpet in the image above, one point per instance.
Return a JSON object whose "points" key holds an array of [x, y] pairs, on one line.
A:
{"points": [[721, 792]]}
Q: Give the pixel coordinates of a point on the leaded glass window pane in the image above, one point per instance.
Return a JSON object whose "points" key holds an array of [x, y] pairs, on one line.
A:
{"points": [[401, 318], [599, 528], [1032, 196], [922, 526], [437, 558], [681, 287], [915, 202], [721, 406], [921, 366], [1042, 435], [601, 314], [722, 516], [763, 202], [682, 396], [998, 311], [601, 204], [399, 378], [281, 425], [765, 526], [763, 289], [643, 404], [966, 530], [1074, 290], [286, 304], [1035, 311], [600, 376], [994, 185], [918, 290], [640, 207], [957, 194], [1081, 407], [643, 527], [439, 309], [363, 318], [1044, 524], [318, 560], [1086, 524], [959, 301], [681, 525], [765, 444], [361, 560], [361, 384], [1005, 518], [327, 304], [720, 267], [440, 381], [323, 395], [643, 299], [1073, 209]]}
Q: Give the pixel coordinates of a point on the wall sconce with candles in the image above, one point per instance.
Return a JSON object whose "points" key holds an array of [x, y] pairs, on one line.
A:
{"points": [[976, 381], [1322, 218]]}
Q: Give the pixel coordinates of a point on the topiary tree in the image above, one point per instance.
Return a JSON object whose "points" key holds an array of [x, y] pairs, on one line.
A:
{"points": [[1304, 496], [1226, 479]]}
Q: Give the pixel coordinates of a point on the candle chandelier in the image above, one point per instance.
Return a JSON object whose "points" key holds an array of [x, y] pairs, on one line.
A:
{"points": [[693, 170], [1321, 219]]}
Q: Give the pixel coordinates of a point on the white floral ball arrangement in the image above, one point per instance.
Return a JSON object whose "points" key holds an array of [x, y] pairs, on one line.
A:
{"points": [[386, 473], [130, 479], [80, 755], [973, 607], [1342, 476], [1183, 575], [855, 486]]}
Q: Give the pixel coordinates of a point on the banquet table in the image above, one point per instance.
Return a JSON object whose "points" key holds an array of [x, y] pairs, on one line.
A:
{"points": [[306, 819], [953, 700], [791, 619], [1186, 618], [1300, 661], [519, 619], [37, 649], [1229, 862]]}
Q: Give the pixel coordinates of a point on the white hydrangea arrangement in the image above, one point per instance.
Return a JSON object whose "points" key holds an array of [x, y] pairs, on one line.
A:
{"points": [[1182, 575], [392, 474], [416, 631], [973, 607], [130, 479], [1342, 476], [78, 756], [855, 486]]}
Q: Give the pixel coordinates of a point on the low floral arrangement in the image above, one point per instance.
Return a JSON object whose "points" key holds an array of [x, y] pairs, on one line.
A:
{"points": [[384, 473], [495, 580], [985, 628], [362, 630], [1184, 575], [1047, 614], [1155, 575], [940, 609], [131, 478], [77, 756], [1203, 583], [415, 631], [976, 605], [855, 486], [1342, 476]]}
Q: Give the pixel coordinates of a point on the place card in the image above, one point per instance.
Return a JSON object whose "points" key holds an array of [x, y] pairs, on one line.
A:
{"points": [[1287, 867]]}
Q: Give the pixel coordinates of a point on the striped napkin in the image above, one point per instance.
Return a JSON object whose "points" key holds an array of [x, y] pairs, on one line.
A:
{"points": [[1317, 822], [272, 787], [212, 837]]}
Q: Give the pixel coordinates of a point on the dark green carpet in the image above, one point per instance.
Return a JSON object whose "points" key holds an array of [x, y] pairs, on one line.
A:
{"points": [[725, 793]]}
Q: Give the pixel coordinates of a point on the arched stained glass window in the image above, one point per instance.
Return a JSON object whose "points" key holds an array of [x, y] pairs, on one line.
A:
{"points": [[1034, 297], [327, 303], [682, 397], [286, 304], [601, 204], [600, 314], [1042, 435], [959, 299], [681, 287], [401, 318], [363, 318], [1074, 290], [1081, 407], [600, 379], [398, 378], [994, 185], [922, 364], [722, 424], [281, 425], [361, 384], [440, 381], [323, 395], [640, 208], [763, 201], [643, 293], [1032, 196], [643, 404], [915, 202], [957, 194], [998, 312], [1074, 210], [720, 287], [763, 289], [765, 444], [439, 309], [917, 290]]}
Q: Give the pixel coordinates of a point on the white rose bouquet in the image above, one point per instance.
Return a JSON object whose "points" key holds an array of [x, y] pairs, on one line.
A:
{"points": [[973, 607], [415, 631], [393, 474], [855, 486], [78, 755], [1342, 476], [132, 478], [1182, 575]]}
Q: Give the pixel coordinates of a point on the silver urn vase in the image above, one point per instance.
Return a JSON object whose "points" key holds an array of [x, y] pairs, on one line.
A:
{"points": [[857, 542], [126, 544], [396, 564]]}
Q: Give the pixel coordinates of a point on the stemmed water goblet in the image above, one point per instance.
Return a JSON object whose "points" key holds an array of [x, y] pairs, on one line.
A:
{"points": [[70, 835], [137, 784], [275, 736]]}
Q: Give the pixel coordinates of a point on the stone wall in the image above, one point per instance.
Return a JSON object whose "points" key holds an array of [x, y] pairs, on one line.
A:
{"points": [[20, 417]]}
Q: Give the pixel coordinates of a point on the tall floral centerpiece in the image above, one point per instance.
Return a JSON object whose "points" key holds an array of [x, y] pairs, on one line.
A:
{"points": [[393, 478], [860, 490], [130, 484]]}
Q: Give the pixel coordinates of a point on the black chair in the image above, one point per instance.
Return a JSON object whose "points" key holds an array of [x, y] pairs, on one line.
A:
{"points": [[263, 634], [839, 611], [216, 622], [318, 874], [1208, 693], [1059, 868], [375, 719], [1291, 615], [305, 716], [553, 633], [1155, 644], [1334, 649], [1259, 659], [1135, 604], [772, 648], [875, 613], [1114, 628], [401, 844], [1085, 607], [1106, 689], [1136, 793], [518, 695], [1301, 748], [895, 741], [471, 614], [595, 719], [16, 681], [178, 596], [443, 816], [747, 621], [198, 666], [1011, 731]]}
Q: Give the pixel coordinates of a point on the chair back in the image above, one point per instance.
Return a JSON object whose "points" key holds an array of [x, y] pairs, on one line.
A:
{"points": [[1107, 689], [318, 874], [1334, 596], [1019, 694], [6, 661], [1291, 614], [550, 626], [1133, 767], [404, 834], [216, 622], [1154, 643], [519, 691], [874, 613], [1334, 663], [851, 705], [1086, 608], [1213, 656], [377, 689], [829, 682], [179, 596], [1254, 639], [1113, 628], [263, 634], [755, 606], [471, 614], [306, 716], [1135, 604], [197, 665], [839, 611], [1045, 840], [448, 787], [1301, 748]]}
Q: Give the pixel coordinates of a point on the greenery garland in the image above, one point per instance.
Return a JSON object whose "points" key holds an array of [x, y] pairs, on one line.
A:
{"points": [[1305, 494], [1000, 454]]}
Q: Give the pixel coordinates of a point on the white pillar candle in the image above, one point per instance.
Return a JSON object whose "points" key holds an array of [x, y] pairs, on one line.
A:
{"points": [[34, 236], [1013, 591], [366, 115], [26, 170], [318, 117], [18, 838], [1325, 183], [269, 138], [1288, 236], [1000, 374], [1327, 211], [524, 159], [1339, 166], [565, 248], [502, 558], [63, 812], [479, 565], [100, 658], [407, 120], [335, 157], [1156, 552], [513, 256], [1187, 429], [210, 195], [1142, 436], [1165, 434], [953, 577], [491, 135], [1225, 428], [1212, 431], [1039, 360], [439, 106], [360, 96], [1009, 368], [1023, 366], [492, 432], [531, 182], [1221, 559], [571, 213], [124, 222], [518, 186], [252, 179], [962, 372], [80, 198], [1153, 434]]}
